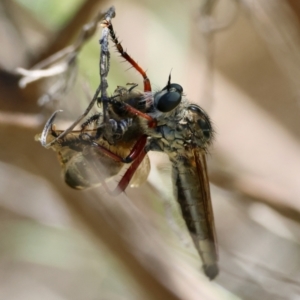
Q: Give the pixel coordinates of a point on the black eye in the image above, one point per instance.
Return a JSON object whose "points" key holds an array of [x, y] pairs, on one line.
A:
{"points": [[168, 98]]}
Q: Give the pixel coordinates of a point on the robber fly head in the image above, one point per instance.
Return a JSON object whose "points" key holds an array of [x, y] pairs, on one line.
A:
{"points": [[169, 97]]}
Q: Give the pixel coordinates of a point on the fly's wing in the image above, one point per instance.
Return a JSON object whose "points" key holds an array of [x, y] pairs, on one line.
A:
{"points": [[204, 183], [191, 186]]}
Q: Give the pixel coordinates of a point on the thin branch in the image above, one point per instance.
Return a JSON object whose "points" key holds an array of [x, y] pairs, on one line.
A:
{"points": [[65, 36]]}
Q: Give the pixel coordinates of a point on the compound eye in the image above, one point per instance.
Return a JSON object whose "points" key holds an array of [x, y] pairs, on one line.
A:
{"points": [[169, 98]]}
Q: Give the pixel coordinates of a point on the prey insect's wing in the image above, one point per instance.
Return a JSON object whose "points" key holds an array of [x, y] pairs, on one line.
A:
{"points": [[80, 162], [86, 166], [193, 194]]}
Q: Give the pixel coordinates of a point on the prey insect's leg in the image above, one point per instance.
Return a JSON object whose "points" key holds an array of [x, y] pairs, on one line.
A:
{"points": [[147, 84], [104, 68], [89, 121]]}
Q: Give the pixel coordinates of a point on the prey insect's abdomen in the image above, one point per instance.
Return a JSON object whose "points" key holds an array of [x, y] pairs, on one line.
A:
{"points": [[192, 193]]}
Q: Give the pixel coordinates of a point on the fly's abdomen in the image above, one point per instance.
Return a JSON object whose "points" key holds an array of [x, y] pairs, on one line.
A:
{"points": [[192, 193]]}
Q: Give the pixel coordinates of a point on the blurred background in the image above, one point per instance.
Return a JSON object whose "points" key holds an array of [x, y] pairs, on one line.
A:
{"points": [[239, 60]]}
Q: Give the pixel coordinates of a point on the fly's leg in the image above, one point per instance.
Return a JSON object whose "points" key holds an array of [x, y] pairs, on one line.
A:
{"points": [[122, 185], [135, 156], [147, 84], [125, 55], [134, 153], [152, 123]]}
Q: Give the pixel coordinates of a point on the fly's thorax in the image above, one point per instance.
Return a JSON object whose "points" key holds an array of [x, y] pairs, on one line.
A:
{"points": [[186, 126]]}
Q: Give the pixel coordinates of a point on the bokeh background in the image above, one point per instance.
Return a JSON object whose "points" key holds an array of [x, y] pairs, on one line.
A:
{"points": [[240, 60]]}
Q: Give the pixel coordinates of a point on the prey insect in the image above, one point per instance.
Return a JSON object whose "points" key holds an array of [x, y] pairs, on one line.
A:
{"points": [[133, 123]]}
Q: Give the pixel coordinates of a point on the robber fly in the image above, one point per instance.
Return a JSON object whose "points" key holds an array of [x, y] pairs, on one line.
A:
{"points": [[133, 124]]}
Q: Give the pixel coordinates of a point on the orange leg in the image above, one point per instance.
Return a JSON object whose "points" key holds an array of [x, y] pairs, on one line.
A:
{"points": [[134, 153], [135, 156], [147, 85], [124, 54]]}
